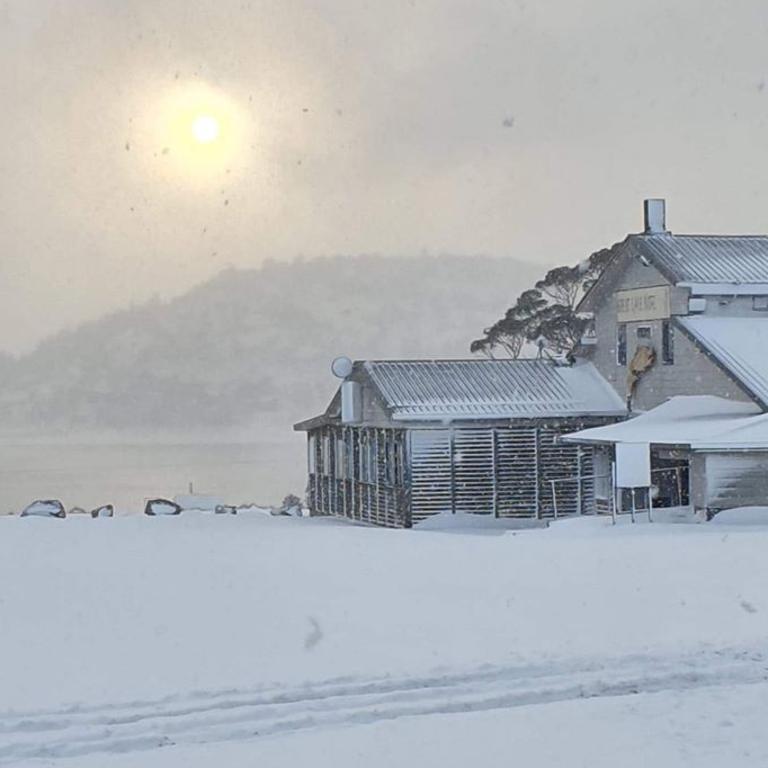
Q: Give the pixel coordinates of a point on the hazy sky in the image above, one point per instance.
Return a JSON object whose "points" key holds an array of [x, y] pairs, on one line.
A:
{"points": [[531, 129]]}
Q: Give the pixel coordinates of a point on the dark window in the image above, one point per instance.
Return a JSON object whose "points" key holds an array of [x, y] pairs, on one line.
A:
{"points": [[644, 332], [667, 343], [621, 344]]}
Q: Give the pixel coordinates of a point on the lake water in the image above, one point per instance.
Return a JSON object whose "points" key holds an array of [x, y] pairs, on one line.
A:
{"points": [[90, 473]]}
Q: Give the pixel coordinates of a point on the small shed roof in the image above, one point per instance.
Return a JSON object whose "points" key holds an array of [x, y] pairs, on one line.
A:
{"points": [[703, 422], [491, 389], [707, 259], [738, 344]]}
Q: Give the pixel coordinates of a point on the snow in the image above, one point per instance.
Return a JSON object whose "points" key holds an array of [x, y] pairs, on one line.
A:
{"points": [[742, 516], [738, 344], [435, 390], [199, 502], [47, 508], [464, 523], [701, 421], [256, 640], [706, 728], [253, 509]]}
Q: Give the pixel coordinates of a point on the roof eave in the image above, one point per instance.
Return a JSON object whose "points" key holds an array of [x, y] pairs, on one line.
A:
{"points": [[316, 421], [725, 289], [452, 417]]}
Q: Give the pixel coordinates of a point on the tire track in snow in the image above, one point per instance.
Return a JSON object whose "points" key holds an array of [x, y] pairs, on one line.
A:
{"points": [[233, 715]]}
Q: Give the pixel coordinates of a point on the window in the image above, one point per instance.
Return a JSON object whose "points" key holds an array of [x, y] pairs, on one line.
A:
{"points": [[667, 343], [644, 332], [760, 303], [621, 345]]}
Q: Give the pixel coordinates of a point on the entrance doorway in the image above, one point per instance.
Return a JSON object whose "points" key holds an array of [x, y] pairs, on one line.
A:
{"points": [[670, 476]]}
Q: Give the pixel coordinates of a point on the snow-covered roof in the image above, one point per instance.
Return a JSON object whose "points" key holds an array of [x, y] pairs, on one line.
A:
{"points": [[491, 389], [699, 421], [707, 259], [739, 344]]}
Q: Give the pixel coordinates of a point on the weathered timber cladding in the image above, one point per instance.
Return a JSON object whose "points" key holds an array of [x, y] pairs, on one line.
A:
{"points": [[431, 472], [397, 477], [359, 473]]}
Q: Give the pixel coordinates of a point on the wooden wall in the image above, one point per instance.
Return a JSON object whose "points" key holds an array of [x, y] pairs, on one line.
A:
{"points": [[396, 477]]}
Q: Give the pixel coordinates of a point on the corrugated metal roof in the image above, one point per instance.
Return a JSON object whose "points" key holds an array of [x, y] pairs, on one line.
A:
{"points": [[707, 258], [442, 389], [739, 344]]}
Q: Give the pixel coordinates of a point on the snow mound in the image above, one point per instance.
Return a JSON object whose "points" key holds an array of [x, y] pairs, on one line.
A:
{"points": [[461, 522], [255, 508], [197, 501], [44, 508], [742, 516]]}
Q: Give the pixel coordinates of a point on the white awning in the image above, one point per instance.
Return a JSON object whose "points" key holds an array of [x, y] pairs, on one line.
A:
{"points": [[702, 422]]}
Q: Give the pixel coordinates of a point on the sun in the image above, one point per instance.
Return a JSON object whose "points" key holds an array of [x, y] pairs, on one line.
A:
{"points": [[196, 134], [205, 129]]}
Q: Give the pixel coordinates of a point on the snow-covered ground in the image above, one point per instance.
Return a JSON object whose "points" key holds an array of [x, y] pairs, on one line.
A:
{"points": [[250, 640]]}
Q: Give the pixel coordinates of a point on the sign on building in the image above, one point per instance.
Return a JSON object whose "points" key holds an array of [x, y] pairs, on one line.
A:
{"points": [[633, 465], [640, 304]]}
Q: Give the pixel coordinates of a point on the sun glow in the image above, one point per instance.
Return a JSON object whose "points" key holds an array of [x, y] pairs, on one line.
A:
{"points": [[196, 134], [205, 129]]}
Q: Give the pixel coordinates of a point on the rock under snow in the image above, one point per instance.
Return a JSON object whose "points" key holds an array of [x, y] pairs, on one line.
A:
{"points": [[44, 508]]}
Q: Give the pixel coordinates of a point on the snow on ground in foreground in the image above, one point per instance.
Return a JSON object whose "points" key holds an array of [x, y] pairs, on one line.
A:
{"points": [[199, 633], [706, 728]]}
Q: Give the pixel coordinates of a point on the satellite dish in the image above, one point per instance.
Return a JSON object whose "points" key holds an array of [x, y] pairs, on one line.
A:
{"points": [[341, 367]]}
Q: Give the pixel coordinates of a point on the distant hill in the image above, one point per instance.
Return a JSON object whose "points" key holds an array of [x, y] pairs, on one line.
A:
{"points": [[254, 346]]}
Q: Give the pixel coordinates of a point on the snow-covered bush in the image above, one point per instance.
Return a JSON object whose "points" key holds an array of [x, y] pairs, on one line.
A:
{"points": [[106, 510], [44, 508], [291, 505]]}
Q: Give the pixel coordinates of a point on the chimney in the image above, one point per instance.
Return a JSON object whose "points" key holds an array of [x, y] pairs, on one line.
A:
{"points": [[351, 391], [655, 216], [351, 403]]}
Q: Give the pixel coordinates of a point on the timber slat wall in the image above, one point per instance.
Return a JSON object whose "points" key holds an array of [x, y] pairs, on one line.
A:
{"points": [[431, 477], [502, 471], [517, 472], [359, 473], [396, 477]]}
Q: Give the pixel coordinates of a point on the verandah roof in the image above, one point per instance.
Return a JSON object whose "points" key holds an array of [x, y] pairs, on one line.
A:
{"points": [[703, 422]]}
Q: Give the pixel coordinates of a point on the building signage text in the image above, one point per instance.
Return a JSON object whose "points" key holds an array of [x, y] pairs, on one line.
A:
{"points": [[643, 304]]}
